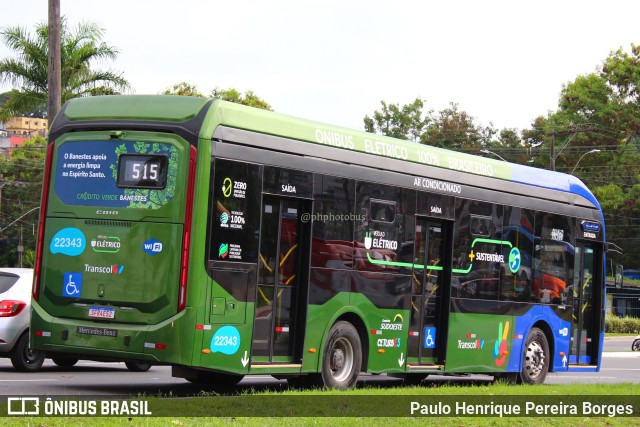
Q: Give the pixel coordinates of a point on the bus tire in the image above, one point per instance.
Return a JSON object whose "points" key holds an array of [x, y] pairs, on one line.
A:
{"points": [[342, 357], [64, 362], [535, 362], [23, 358], [138, 366]]}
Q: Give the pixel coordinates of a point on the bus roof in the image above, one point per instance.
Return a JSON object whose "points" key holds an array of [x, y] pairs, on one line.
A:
{"points": [[180, 109]]}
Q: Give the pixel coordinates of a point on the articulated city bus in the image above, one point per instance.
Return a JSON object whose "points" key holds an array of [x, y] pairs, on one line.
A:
{"points": [[228, 241]]}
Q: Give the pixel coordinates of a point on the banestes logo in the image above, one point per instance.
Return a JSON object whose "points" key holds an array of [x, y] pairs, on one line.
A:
{"points": [[107, 269]]}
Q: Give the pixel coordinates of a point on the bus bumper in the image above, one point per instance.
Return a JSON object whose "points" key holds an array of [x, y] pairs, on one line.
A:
{"points": [[164, 343]]}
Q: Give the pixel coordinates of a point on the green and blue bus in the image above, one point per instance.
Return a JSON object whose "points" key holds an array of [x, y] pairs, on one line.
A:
{"points": [[227, 241]]}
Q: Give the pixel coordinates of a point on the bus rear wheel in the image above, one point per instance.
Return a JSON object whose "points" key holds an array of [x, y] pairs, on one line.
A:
{"points": [[65, 362], [138, 366], [342, 357], [535, 363]]}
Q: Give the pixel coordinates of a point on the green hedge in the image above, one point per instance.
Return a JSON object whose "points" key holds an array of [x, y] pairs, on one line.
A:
{"points": [[622, 325]]}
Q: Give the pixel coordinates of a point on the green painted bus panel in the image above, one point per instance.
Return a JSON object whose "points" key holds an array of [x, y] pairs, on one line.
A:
{"points": [[252, 119], [127, 272], [140, 107], [173, 337], [388, 334], [479, 342], [319, 320], [227, 347], [385, 330], [83, 181]]}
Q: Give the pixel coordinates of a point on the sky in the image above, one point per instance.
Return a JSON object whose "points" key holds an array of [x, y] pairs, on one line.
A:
{"points": [[503, 62]]}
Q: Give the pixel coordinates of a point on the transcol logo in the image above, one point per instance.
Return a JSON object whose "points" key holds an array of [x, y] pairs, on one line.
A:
{"points": [[392, 342], [478, 344], [116, 269]]}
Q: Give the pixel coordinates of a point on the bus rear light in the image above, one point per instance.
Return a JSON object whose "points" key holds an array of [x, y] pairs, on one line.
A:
{"points": [[280, 329], [10, 308], [42, 333], [203, 327], [186, 237], [43, 214]]}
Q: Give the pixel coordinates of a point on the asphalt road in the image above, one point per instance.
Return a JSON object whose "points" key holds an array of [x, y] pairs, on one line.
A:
{"points": [[109, 379]]}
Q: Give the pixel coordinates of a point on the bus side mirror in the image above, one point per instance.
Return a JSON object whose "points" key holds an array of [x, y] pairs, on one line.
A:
{"points": [[619, 279]]}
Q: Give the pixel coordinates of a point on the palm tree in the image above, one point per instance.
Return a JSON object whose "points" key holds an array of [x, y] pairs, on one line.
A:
{"points": [[28, 70]]}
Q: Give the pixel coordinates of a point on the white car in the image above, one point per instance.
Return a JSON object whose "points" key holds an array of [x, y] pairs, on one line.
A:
{"points": [[15, 307]]}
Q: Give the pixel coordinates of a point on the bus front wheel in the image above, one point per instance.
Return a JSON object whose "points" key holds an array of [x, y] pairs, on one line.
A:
{"points": [[535, 364], [342, 357]]}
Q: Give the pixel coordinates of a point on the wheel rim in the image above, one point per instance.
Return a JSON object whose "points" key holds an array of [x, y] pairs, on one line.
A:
{"points": [[342, 360], [534, 360]]}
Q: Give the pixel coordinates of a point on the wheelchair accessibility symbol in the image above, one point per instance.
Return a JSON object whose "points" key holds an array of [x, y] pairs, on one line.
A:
{"points": [[429, 337], [72, 285]]}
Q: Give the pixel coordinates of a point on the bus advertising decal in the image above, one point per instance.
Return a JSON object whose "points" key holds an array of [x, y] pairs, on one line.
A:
{"points": [[395, 325], [152, 246], [225, 340], [68, 241], [72, 285], [237, 189], [115, 269], [429, 337], [501, 346], [232, 220], [106, 244], [87, 174], [230, 250], [514, 254]]}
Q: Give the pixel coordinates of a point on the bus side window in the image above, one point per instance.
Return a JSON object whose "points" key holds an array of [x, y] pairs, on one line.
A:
{"points": [[382, 211], [480, 226]]}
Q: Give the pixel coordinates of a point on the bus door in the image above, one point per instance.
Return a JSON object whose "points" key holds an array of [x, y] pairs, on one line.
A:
{"points": [[283, 270], [586, 304], [430, 299]]}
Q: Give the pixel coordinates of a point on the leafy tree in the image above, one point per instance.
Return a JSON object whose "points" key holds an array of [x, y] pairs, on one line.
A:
{"points": [[601, 111], [249, 98], [406, 122], [231, 95], [28, 70], [4, 97], [182, 89], [450, 128], [21, 185], [456, 130]]}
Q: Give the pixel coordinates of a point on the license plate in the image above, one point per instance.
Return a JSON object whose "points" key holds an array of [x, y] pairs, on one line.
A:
{"points": [[101, 332], [102, 312]]}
